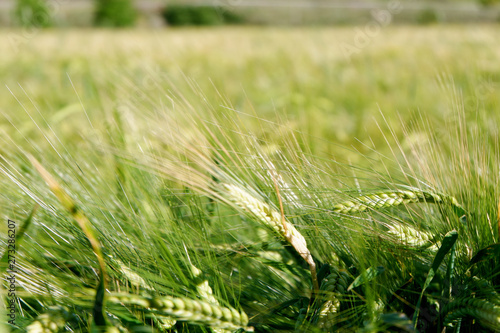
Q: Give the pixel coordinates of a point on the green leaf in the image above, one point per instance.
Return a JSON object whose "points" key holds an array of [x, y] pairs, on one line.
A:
{"points": [[399, 320], [449, 272], [491, 251], [98, 310], [449, 240], [18, 236], [368, 275]]}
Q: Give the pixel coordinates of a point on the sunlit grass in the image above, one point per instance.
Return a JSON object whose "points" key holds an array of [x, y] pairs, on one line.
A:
{"points": [[146, 132]]}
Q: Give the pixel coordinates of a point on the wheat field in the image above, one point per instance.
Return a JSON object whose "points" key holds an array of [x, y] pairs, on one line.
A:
{"points": [[250, 179]]}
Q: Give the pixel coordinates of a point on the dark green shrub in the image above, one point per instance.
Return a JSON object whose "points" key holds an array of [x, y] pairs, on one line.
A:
{"points": [[206, 16], [232, 18], [32, 13], [178, 15], [427, 16], [114, 13], [489, 2]]}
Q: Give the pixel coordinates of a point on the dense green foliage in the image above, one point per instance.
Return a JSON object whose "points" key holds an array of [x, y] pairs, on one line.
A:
{"points": [[427, 16], [173, 203], [114, 13], [178, 15], [488, 2], [33, 13]]}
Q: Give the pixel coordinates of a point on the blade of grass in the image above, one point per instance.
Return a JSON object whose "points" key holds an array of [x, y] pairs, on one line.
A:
{"points": [[449, 272], [498, 219], [19, 235], [85, 225], [368, 275], [488, 252], [448, 242], [4, 261]]}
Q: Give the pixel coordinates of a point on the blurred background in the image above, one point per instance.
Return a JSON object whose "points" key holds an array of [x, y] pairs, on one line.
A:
{"points": [[339, 71], [158, 13], [100, 90]]}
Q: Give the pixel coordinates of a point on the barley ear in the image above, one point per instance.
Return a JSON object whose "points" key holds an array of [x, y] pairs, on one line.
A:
{"points": [[135, 279], [395, 198], [204, 291], [203, 288], [51, 321], [189, 310], [334, 283], [412, 237], [273, 219], [486, 312]]}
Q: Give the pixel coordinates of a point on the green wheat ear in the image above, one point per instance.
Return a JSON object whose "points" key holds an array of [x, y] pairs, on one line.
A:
{"points": [[333, 285], [486, 312], [395, 198], [51, 321], [412, 237], [189, 310], [205, 292]]}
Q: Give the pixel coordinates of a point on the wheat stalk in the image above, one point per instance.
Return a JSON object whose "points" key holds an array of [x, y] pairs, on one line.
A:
{"points": [[83, 222], [486, 312], [193, 311], [394, 198], [276, 221], [70, 205]]}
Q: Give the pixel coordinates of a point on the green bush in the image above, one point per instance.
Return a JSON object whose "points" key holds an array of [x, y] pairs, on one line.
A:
{"points": [[32, 13], [489, 2], [178, 15], [427, 16], [232, 18], [115, 13]]}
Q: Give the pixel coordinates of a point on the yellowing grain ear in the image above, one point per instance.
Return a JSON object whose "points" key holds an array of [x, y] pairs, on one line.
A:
{"points": [[273, 219], [85, 225]]}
